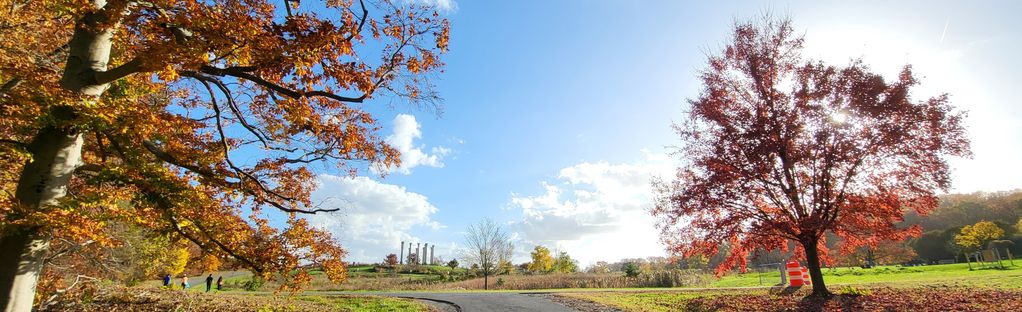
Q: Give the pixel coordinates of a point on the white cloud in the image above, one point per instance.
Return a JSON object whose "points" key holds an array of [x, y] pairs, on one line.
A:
{"points": [[374, 218], [442, 5], [598, 211], [406, 131]]}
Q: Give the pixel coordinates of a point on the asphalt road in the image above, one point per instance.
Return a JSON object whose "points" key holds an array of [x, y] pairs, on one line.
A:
{"points": [[476, 301]]}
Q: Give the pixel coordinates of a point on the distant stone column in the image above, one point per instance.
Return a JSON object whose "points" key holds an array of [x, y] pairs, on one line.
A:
{"points": [[432, 254], [409, 251], [425, 247], [401, 259], [418, 253]]}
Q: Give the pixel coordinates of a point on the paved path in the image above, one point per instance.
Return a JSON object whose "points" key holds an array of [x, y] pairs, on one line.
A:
{"points": [[475, 301]]}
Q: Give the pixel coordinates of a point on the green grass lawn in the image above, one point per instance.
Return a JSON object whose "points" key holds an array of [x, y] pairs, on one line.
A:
{"points": [[959, 273], [645, 301], [367, 303]]}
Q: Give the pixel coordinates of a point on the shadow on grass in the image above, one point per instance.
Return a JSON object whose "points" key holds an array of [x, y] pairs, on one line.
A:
{"points": [[782, 290], [847, 302], [996, 268]]}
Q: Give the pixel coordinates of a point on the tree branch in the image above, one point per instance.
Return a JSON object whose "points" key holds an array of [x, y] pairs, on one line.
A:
{"points": [[126, 69], [177, 228], [168, 158], [9, 85], [362, 22], [242, 74], [52, 299], [19, 144], [226, 147]]}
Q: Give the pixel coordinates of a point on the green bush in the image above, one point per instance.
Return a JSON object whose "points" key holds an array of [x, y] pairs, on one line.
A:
{"points": [[631, 269], [254, 283]]}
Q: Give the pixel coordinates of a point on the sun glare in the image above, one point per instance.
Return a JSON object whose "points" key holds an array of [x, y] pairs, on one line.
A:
{"points": [[839, 117]]}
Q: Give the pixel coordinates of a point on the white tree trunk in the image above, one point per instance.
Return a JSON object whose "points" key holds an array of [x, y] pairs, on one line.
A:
{"points": [[43, 182], [56, 152]]}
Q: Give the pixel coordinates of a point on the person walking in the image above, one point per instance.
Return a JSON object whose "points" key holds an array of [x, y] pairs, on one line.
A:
{"points": [[220, 283], [166, 280], [209, 282], [184, 282]]}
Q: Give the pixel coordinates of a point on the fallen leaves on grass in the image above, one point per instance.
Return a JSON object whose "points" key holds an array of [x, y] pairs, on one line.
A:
{"points": [[938, 298], [154, 299]]}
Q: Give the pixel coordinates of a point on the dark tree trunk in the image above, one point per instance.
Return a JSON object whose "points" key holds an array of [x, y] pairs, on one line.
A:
{"points": [[815, 273], [485, 281]]}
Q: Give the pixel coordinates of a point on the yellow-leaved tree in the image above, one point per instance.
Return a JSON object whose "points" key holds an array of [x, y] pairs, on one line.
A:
{"points": [[542, 260], [190, 117], [977, 236], [158, 255]]}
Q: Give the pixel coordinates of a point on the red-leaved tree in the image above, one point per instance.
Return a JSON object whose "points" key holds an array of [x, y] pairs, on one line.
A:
{"points": [[779, 149]]}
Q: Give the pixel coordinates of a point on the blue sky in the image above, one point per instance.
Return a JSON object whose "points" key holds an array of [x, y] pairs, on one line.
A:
{"points": [[557, 113]]}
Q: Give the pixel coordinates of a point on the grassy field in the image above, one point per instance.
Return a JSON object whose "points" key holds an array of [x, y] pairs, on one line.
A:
{"points": [[951, 287], [919, 288], [950, 274], [365, 278], [896, 276], [869, 298], [367, 303]]}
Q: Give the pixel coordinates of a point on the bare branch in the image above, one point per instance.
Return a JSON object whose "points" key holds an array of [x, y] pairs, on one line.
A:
{"points": [[234, 72], [226, 148], [52, 299]]}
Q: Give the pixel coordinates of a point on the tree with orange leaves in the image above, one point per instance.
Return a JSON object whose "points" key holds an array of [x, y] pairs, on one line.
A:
{"points": [[139, 110], [779, 149]]}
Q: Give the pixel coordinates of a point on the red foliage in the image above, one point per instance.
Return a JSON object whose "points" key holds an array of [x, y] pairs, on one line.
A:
{"points": [[778, 148]]}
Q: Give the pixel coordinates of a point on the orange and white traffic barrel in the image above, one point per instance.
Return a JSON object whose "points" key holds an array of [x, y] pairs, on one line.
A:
{"points": [[795, 276], [805, 277]]}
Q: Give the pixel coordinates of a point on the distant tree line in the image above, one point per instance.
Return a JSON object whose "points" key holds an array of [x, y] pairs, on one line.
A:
{"points": [[977, 220], [988, 220], [961, 224]]}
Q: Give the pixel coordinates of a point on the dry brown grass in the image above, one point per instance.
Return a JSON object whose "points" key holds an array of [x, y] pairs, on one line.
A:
{"points": [[586, 280], [673, 278]]}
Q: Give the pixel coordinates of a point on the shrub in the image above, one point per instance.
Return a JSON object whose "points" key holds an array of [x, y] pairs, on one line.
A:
{"points": [[631, 269], [254, 283], [667, 278]]}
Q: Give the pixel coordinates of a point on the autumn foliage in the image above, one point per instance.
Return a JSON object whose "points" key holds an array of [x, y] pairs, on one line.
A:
{"points": [[978, 236], [780, 149], [192, 117], [542, 260]]}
